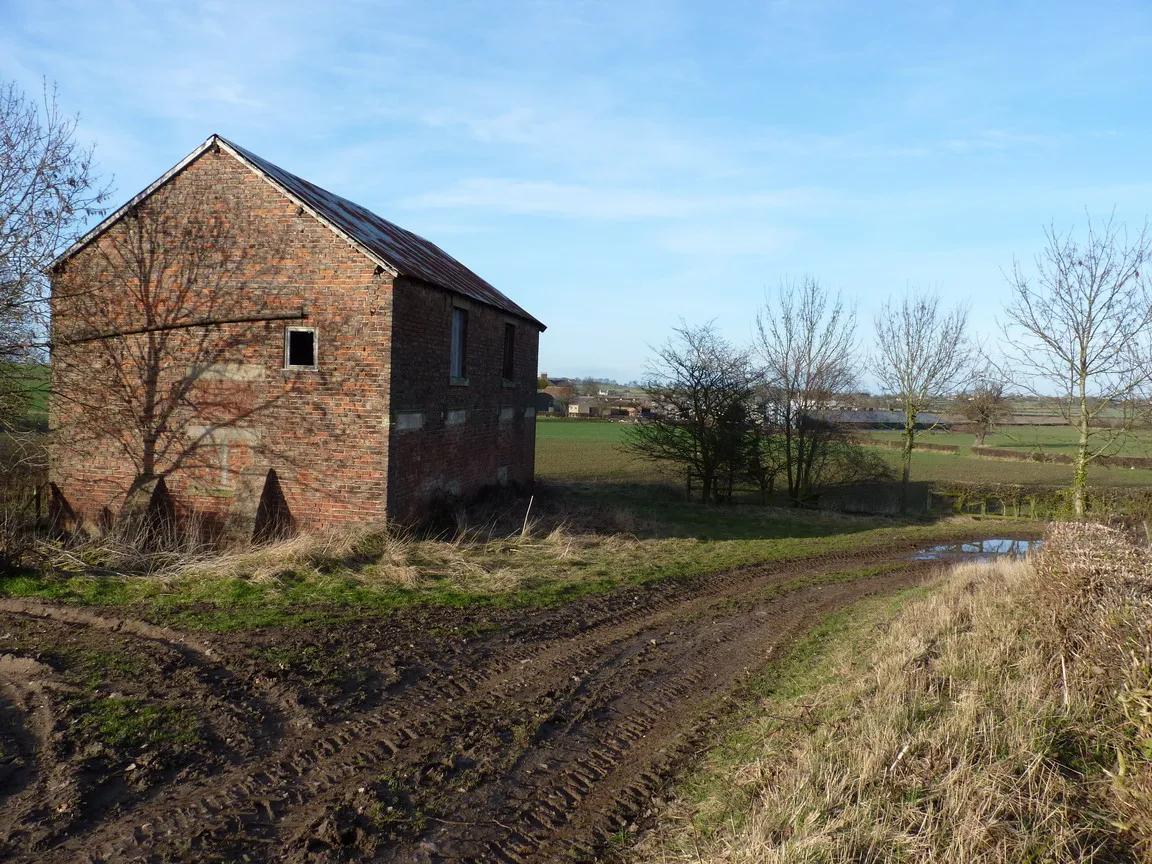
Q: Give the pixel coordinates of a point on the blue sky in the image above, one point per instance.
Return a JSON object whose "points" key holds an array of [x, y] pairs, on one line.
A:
{"points": [[616, 166]]}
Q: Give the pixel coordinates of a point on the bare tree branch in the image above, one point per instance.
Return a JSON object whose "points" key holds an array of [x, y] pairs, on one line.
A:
{"points": [[704, 385], [983, 403], [806, 342], [922, 354], [1077, 334], [49, 188]]}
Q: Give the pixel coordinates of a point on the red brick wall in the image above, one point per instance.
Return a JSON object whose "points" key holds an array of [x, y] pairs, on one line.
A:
{"points": [[322, 431], [444, 460]]}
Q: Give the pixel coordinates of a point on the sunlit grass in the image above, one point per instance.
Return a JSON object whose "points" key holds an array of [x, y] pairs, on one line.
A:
{"points": [[315, 578]]}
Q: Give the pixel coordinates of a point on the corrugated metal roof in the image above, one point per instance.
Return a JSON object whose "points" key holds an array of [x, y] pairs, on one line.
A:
{"points": [[408, 253], [395, 248]]}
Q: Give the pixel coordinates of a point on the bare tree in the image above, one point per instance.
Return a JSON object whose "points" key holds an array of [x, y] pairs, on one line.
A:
{"points": [[806, 342], [1078, 332], [153, 323], [705, 386], [921, 356], [590, 386], [984, 404], [49, 188]]}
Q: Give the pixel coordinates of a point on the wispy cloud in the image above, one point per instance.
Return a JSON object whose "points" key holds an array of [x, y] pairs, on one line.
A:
{"points": [[528, 197], [874, 142]]}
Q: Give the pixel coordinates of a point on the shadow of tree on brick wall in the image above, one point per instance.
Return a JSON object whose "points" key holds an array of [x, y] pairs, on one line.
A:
{"points": [[160, 327]]}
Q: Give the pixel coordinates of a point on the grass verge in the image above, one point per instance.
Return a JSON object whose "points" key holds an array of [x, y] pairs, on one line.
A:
{"points": [[1005, 715], [315, 578], [716, 798]]}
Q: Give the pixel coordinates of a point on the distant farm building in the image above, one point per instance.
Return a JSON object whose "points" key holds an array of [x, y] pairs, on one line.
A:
{"points": [[558, 382], [585, 406], [882, 420]]}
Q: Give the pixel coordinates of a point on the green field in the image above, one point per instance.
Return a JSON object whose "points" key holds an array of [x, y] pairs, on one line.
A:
{"points": [[1028, 439], [599, 519], [943, 467], [589, 451], [1025, 440], [32, 380]]}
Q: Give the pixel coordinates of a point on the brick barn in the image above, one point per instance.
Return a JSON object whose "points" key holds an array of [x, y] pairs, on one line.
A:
{"points": [[239, 343]]}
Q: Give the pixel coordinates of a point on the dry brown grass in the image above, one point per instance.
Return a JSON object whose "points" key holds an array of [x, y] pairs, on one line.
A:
{"points": [[479, 560], [1005, 717], [130, 548]]}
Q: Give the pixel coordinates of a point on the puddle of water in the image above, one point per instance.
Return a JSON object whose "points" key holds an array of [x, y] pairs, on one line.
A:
{"points": [[979, 549]]}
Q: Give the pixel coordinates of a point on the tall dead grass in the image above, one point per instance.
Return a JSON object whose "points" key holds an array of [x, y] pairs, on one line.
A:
{"points": [[488, 558], [1005, 717]]}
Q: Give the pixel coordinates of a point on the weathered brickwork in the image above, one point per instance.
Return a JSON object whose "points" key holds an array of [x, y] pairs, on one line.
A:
{"points": [[444, 459], [330, 434]]}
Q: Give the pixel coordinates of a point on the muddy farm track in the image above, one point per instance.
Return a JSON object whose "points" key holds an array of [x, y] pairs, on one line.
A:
{"points": [[434, 735]]}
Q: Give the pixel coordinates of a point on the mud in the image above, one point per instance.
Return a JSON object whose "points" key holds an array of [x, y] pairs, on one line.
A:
{"points": [[435, 735]]}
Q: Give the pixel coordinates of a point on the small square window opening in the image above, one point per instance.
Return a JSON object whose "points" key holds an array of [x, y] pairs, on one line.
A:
{"points": [[300, 348], [509, 351], [458, 368]]}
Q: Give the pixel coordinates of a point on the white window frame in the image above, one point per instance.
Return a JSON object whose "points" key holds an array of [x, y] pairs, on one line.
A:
{"points": [[315, 331]]}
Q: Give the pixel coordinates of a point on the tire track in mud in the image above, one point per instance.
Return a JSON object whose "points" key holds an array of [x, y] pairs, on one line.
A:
{"points": [[49, 788], [26, 722], [539, 744], [576, 788], [279, 706]]}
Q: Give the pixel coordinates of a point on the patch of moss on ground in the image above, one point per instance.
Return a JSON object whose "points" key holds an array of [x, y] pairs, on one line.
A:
{"points": [[131, 724]]}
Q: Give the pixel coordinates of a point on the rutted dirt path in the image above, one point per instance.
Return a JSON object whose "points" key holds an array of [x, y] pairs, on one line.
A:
{"points": [[440, 735]]}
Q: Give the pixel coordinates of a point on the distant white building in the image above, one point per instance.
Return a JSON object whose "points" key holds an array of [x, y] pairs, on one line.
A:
{"points": [[585, 407]]}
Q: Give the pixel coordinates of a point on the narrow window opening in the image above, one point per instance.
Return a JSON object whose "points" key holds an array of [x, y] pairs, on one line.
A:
{"points": [[300, 348], [459, 343], [509, 351]]}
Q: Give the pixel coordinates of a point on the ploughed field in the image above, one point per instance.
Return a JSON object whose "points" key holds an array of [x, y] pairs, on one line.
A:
{"points": [[433, 734]]}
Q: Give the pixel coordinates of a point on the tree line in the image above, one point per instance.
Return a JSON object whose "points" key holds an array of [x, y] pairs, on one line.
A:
{"points": [[1075, 333], [767, 413]]}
